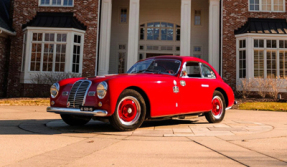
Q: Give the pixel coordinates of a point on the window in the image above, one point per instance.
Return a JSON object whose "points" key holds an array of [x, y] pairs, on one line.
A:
{"points": [[122, 60], [124, 15], [207, 72], [160, 31], [192, 70], [197, 17], [76, 54], [67, 3], [267, 5], [197, 51], [283, 64], [271, 64], [258, 64], [48, 53], [242, 58]]}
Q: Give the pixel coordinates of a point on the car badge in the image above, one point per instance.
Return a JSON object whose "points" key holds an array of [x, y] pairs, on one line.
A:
{"points": [[68, 104], [175, 89], [174, 82], [182, 83]]}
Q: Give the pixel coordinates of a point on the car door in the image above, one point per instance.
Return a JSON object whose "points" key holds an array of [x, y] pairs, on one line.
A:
{"points": [[209, 85], [192, 90]]}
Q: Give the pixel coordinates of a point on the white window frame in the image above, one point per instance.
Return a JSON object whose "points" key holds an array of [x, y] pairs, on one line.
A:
{"points": [[51, 5], [272, 7], [27, 74], [120, 15], [250, 37], [200, 17]]}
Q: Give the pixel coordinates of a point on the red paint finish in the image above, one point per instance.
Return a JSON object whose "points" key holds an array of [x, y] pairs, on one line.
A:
{"points": [[159, 90]]}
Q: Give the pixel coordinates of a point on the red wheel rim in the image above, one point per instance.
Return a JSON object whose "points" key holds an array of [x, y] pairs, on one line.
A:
{"points": [[217, 107], [129, 110]]}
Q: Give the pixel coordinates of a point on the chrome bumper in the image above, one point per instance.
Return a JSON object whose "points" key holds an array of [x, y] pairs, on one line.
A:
{"points": [[75, 111]]}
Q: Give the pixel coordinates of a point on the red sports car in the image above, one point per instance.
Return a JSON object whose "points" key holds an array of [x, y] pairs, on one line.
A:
{"points": [[164, 86]]}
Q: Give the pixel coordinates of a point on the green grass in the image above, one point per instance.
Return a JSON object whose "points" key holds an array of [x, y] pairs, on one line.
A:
{"points": [[264, 106], [25, 102]]}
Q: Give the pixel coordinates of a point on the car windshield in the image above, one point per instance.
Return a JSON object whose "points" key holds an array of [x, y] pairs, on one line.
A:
{"points": [[159, 66]]}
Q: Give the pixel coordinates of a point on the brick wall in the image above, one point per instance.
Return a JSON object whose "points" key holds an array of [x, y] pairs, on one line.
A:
{"points": [[86, 11], [4, 54], [235, 15]]}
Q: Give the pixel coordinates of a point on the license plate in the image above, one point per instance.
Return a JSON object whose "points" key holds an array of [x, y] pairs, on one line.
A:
{"points": [[89, 109]]}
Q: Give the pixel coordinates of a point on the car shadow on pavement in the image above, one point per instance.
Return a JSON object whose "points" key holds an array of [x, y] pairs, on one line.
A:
{"points": [[57, 126]]}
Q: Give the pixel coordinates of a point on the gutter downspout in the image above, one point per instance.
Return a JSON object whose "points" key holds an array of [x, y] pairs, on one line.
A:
{"points": [[221, 40], [98, 36]]}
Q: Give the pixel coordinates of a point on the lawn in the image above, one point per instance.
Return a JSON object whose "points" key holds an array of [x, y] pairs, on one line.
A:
{"points": [[264, 106], [25, 102]]}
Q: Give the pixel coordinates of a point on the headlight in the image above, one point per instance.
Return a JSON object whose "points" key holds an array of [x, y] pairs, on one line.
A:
{"points": [[54, 90], [102, 90]]}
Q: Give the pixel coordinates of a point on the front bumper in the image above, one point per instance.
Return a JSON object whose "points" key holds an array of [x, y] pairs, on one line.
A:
{"points": [[75, 111]]}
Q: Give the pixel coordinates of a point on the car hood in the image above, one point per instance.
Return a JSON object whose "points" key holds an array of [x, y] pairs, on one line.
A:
{"points": [[122, 76]]}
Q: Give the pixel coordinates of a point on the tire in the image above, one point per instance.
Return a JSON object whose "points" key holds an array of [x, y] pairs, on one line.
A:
{"points": [[75, 120], [217, 112], [130, 112]]}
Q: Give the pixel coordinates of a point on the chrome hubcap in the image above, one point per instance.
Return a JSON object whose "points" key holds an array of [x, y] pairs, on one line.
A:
{"points": [[129, 110], [217, 107]]}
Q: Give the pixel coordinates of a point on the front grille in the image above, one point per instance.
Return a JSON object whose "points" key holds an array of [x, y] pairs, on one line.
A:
{"points": [[78, 93]]}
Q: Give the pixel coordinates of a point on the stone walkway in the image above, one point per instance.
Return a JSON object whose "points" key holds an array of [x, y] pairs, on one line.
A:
{"points": [[170, 128], [32, 137]]}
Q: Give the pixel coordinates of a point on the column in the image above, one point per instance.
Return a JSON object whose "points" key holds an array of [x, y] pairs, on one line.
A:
{"points": [[214, 33], [133, 38], [185, 35], [105, 37]]}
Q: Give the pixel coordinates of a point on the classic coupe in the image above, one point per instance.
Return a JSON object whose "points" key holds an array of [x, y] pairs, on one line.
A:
{"points": [[157, 87]]}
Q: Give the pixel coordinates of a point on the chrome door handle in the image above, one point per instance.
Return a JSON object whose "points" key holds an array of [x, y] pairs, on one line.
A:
{"points": [[205, 86]]}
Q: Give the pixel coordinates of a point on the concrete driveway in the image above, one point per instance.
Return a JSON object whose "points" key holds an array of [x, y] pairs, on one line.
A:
{"points": [[31, 137]]}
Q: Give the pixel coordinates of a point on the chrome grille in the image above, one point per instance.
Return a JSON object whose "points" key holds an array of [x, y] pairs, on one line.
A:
{"points": [[78, 94]]}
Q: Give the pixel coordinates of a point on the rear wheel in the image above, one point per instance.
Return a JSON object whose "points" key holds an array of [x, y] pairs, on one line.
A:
{"points": [[130, 112], [75, 120], [218, 105]]}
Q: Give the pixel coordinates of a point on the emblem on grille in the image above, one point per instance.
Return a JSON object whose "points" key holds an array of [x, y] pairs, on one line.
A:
{"points": [[68, 104]]}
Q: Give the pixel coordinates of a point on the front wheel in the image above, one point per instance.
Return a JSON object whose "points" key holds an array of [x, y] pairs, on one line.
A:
{"points": [[218, 105], [130, 112], [75, 120]]}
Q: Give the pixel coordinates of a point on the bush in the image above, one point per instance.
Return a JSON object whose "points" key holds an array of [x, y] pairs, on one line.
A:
{"points": [[244, 87], [50, 78]]}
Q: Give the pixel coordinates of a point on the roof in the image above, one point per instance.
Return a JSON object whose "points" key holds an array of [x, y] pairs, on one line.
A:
{"points": [[4, 15], [263, 26], [56, 20]]}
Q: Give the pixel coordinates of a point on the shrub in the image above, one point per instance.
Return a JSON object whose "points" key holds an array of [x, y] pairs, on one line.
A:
{"points": [[244, 87], [50, 78]]}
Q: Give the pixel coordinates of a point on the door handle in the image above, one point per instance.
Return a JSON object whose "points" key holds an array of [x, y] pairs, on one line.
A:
{"points": [[205, 86]]}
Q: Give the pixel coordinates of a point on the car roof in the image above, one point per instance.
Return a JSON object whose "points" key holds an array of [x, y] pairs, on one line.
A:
{"points": [[181, 58]]}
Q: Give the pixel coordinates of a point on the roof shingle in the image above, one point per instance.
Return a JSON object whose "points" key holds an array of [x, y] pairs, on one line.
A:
{"points": [[263, 26], [56, 20]]}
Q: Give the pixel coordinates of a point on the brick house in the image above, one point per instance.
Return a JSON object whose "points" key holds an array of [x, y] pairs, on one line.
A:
{"points": [[240, 38]]}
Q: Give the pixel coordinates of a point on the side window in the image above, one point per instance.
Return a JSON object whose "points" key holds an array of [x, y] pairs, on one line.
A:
{"points": [[192, 70], [207, 72]]}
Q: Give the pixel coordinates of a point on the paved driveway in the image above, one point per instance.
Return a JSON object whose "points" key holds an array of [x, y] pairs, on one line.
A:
{"points": [[31, 137]]}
